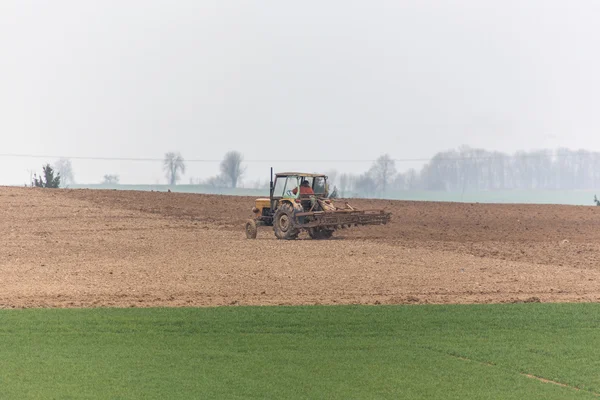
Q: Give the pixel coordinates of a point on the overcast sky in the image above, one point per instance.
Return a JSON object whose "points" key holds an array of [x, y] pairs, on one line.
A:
{"points": [[278, 80]]}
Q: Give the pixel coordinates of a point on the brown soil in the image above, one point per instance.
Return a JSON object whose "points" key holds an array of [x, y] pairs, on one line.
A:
{"points": [[90, 248]]}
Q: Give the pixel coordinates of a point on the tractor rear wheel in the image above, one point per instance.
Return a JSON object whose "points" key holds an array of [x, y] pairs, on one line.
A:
{"points": [[320, 233], [283, 223], [251, 229]]}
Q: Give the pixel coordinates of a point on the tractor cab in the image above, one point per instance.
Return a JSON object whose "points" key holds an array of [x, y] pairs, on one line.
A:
{"points": [[287, 187]]}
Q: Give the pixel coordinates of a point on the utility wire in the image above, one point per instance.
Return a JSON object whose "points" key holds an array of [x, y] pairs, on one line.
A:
{"points": [[199, 160], [187, 160]]}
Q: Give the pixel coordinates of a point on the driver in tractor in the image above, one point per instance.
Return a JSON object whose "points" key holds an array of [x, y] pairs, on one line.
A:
{"points": [[305, 189]]}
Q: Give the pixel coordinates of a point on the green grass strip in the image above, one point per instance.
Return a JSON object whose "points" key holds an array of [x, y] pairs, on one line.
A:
{"points": [[341, 352]]}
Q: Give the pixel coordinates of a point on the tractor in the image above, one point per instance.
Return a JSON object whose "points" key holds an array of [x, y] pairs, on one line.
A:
{"points": [[290, 209]]}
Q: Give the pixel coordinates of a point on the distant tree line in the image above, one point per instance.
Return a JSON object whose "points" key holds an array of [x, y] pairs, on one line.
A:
{"points": [[469, 169], [459, 170], [477, 169], [174, 167], [462, 169]]}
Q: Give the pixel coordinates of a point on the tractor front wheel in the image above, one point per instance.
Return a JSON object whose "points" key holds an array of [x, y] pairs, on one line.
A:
{"points": [[283, 223], [251, 229]]}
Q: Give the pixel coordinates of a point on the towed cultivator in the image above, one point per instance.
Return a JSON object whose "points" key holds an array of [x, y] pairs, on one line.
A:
{"points": [[298, 202]]}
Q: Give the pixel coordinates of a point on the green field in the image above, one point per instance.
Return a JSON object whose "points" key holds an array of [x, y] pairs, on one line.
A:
{"points": [[336, 352]]}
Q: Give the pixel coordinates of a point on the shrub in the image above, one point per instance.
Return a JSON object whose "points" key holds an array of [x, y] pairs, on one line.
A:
{"points": [[48, 180]]}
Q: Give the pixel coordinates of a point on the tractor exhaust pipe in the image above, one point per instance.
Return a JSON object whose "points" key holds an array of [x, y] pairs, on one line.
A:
{"points": [[271, 185]]}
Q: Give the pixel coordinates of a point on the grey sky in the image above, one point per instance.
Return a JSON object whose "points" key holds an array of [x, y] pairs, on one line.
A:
{"points": [[298, 80]]}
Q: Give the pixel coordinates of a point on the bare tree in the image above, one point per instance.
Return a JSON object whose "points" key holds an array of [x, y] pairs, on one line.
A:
{"points": [[173, 165], [111, 179], [382, 172], [231, 168], [64, 168]]}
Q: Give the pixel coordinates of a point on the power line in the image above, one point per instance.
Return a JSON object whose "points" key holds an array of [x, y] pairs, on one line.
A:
{"points": [[80, 158], [436, 158], [186, 160]]}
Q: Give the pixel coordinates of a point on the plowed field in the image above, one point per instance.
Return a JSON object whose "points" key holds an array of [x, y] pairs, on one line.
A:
{"points": [[93, 248]]}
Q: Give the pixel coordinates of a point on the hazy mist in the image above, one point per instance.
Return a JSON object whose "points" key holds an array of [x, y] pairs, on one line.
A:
{"points": [[277, 80]]}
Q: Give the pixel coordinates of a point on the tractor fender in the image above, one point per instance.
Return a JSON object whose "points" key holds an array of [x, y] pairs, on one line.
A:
{"points": [[298, 208]]}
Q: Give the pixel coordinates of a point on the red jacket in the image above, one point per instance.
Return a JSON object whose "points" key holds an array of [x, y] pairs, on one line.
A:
{"points": [[304, 190]]}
